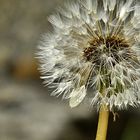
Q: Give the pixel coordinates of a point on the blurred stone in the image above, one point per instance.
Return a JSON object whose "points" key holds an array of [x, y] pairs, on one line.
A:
{"points": [[25, 67], [21, 26], [29, 113]]}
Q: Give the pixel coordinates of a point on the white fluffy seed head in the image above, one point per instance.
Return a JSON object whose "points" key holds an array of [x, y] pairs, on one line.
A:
{"points": [[95, 45]]}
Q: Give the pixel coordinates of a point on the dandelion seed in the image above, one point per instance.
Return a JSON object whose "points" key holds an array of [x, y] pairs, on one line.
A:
{"points": [[95, 44]]}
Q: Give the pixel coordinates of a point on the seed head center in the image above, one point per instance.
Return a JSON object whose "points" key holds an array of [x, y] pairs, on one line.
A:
{"points": [[109, 46]]}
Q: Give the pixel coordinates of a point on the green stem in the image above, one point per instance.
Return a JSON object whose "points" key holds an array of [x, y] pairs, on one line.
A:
{"points": [[102, 123]]}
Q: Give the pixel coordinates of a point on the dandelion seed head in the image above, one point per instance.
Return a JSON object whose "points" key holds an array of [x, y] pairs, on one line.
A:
{"points": [[95, 44]]}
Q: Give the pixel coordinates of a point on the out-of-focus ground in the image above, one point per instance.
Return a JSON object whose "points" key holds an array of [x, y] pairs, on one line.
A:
{"points": [[27, 112]]}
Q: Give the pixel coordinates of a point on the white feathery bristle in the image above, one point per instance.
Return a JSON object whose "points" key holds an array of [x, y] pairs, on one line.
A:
{"points": [[77, 96], [112, 4]]}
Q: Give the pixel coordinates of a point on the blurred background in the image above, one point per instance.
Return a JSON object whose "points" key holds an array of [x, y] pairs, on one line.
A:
{"points": [[27, 111]]}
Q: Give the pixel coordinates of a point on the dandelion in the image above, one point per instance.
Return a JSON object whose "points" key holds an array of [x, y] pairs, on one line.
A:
{"points": [[95, 45]]}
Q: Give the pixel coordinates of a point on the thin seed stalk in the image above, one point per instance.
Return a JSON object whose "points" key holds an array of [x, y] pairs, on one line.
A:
{"points": [[102, 123]]}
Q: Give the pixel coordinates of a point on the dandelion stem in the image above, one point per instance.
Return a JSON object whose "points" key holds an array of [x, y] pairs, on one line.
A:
{"points": [[102, 123]]}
